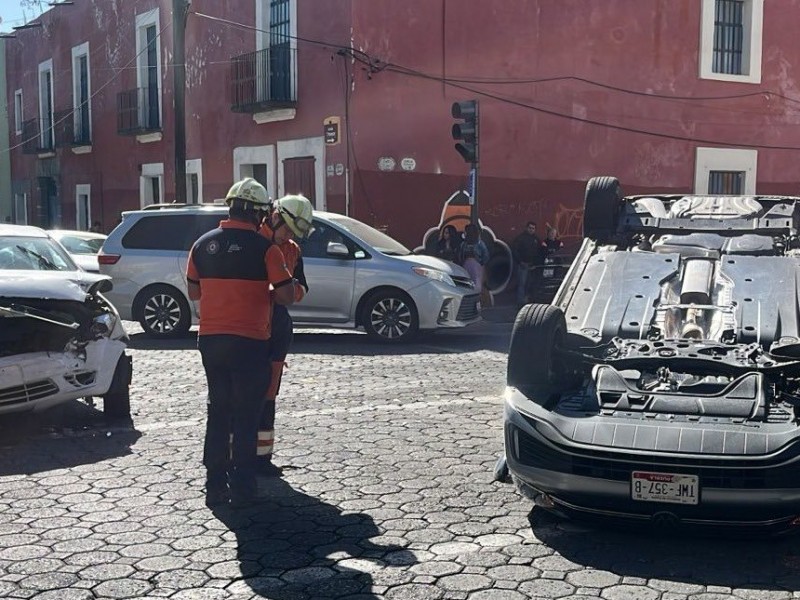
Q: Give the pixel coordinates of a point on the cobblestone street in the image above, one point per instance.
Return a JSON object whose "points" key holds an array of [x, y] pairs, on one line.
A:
{"points": [[387, 493]]}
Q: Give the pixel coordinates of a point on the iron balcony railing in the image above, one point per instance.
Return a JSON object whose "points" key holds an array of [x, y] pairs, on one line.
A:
{"points": [[138, 111], [262, 80], [38, 136]]}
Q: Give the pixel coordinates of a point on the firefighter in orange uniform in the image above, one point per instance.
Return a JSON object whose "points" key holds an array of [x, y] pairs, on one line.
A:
{"points": [[230, 271], [290, 219]]}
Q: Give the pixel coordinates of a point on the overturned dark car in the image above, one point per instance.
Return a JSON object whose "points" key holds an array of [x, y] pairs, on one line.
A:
{"points": [[662, 385]]}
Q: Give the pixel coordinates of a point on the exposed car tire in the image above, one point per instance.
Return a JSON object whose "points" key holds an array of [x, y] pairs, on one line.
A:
{"points": [[390, 316], [117, 401], [538, 329], [601, 208], [162, 311]]}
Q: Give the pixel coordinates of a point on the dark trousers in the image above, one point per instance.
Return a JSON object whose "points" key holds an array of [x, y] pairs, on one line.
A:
{"points": [[237, 383], [281, 340]]}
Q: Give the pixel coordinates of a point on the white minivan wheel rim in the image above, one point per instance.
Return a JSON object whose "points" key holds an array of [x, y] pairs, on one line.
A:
{"points": [[391, 318], [162, 313]]}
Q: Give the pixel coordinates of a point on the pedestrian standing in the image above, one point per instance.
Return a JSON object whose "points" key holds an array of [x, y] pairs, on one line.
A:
{"points": [[473, 254], [230, 271], [290, 219], [526, 251], [448, 244]]}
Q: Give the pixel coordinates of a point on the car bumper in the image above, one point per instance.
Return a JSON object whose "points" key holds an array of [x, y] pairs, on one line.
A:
{"points": [[585, 481], [39, 380], [443, 306]]}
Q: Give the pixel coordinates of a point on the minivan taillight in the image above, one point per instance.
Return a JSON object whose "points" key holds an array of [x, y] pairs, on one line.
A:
{"points": [[107, 259]]}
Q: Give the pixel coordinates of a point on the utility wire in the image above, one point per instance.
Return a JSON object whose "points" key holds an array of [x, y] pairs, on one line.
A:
{"points": [[375, 65], [100, 89]]}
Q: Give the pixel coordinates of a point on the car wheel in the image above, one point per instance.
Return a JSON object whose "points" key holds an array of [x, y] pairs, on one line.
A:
{"points": [[538, 330], [601, 208], [390, 316], [117, 401], [162, 311]]}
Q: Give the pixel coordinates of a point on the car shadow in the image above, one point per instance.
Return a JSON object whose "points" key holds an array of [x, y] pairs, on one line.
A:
{"points": [[353, 343], [57, 438], [296, 546], [691, 560], [142, 341]]}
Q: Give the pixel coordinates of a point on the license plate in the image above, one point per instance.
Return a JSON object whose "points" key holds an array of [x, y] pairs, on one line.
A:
{"points": [[665, 487], [547, 272]]}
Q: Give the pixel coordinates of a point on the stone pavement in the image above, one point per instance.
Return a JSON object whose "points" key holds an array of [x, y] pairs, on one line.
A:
{"points": [[387, 493]]}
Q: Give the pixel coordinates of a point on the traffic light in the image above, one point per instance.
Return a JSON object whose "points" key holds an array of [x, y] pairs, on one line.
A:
{"points": [[465, 130]]}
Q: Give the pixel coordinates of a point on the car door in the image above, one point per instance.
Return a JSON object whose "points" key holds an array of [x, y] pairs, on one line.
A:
{"points": [[331, 277]]}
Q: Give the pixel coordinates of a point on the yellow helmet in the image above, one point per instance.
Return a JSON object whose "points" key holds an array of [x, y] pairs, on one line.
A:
{"points": [[248, 190], [297, 212]]}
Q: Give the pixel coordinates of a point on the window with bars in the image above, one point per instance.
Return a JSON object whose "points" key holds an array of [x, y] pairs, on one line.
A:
{"points": [[728, 36], [726, 182], [280, 50]]}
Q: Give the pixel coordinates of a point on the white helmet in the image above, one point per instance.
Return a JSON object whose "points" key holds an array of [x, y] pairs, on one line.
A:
{"points": [[248, 190], [297, 212]]}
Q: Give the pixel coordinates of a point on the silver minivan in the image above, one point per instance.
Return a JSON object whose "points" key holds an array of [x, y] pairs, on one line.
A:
{"points": [[357, 275]]}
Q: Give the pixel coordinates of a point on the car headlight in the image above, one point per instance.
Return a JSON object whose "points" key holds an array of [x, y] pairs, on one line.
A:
{"points": [[103, 325], [435, 274]]}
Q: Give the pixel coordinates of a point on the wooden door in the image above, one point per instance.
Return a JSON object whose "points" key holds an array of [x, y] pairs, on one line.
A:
{"points": [[298, 177]]}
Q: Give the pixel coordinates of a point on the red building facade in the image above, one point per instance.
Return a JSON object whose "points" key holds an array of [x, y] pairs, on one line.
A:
{"points": [[348, 101]]}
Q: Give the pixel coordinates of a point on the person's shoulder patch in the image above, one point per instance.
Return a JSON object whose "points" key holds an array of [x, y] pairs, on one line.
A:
{"points": [[212, 246]]}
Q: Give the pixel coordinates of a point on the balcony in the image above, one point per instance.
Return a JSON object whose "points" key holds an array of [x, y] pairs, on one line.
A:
{"points": [[34, 141], [138, 111], [262, 80]]}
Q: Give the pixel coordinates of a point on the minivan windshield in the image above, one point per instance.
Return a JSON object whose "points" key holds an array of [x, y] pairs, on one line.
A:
{"points": [[380, 241]]}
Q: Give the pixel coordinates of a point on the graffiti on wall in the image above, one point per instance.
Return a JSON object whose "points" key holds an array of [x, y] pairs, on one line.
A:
{"points": [[456, 212]]}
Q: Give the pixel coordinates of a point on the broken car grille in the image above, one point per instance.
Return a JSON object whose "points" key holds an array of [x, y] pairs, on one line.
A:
{"points": [[20, 394]]}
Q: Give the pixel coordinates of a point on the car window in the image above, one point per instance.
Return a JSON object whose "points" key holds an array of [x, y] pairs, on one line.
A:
{"points": [[33, 254], [161, 232], [205, 223], [316, 246], [77, 245], [377, 239]]}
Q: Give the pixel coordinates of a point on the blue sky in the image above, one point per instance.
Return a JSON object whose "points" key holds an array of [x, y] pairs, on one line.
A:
{"points": [[12, 14]]}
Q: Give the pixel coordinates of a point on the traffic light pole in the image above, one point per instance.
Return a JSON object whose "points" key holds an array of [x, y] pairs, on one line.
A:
{"points": [[180, 9], [465, 132]]}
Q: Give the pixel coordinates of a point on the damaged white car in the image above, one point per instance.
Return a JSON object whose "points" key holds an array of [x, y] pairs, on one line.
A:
{"points": [[60, 339]]}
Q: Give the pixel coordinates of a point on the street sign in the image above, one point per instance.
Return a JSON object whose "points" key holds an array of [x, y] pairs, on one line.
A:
{"points": [[473, 173], [331, 127]]}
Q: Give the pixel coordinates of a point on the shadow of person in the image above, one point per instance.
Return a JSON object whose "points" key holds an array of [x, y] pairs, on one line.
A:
{"points": [[691, 559], [296, 547]]}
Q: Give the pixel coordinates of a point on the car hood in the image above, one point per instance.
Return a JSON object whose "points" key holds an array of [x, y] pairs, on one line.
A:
{"points": [[48, 285], [434, 263]]}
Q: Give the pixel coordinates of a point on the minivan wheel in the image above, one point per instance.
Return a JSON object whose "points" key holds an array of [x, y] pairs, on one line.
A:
{"points": [[390, 316], [162, 312]]}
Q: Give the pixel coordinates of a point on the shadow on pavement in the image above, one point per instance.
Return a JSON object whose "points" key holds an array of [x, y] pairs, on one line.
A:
{"points": [[141, 341], [64, 436], [489, 335], [757, 564], [297, 547]]}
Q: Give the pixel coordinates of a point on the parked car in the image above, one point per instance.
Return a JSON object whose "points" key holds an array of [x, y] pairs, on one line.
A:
{"points": [[60, 338], [358, 276], [662, 386], [82, 246]]}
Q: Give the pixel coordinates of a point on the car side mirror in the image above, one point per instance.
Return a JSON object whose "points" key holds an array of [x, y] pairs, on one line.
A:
{"points": [[338, 249], [102, 286]]}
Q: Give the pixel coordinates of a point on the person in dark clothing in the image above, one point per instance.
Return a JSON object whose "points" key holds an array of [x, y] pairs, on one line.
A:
{"points": [[551, 243], [526, 252], [448, 244], [230, 271], [290, 219]]}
